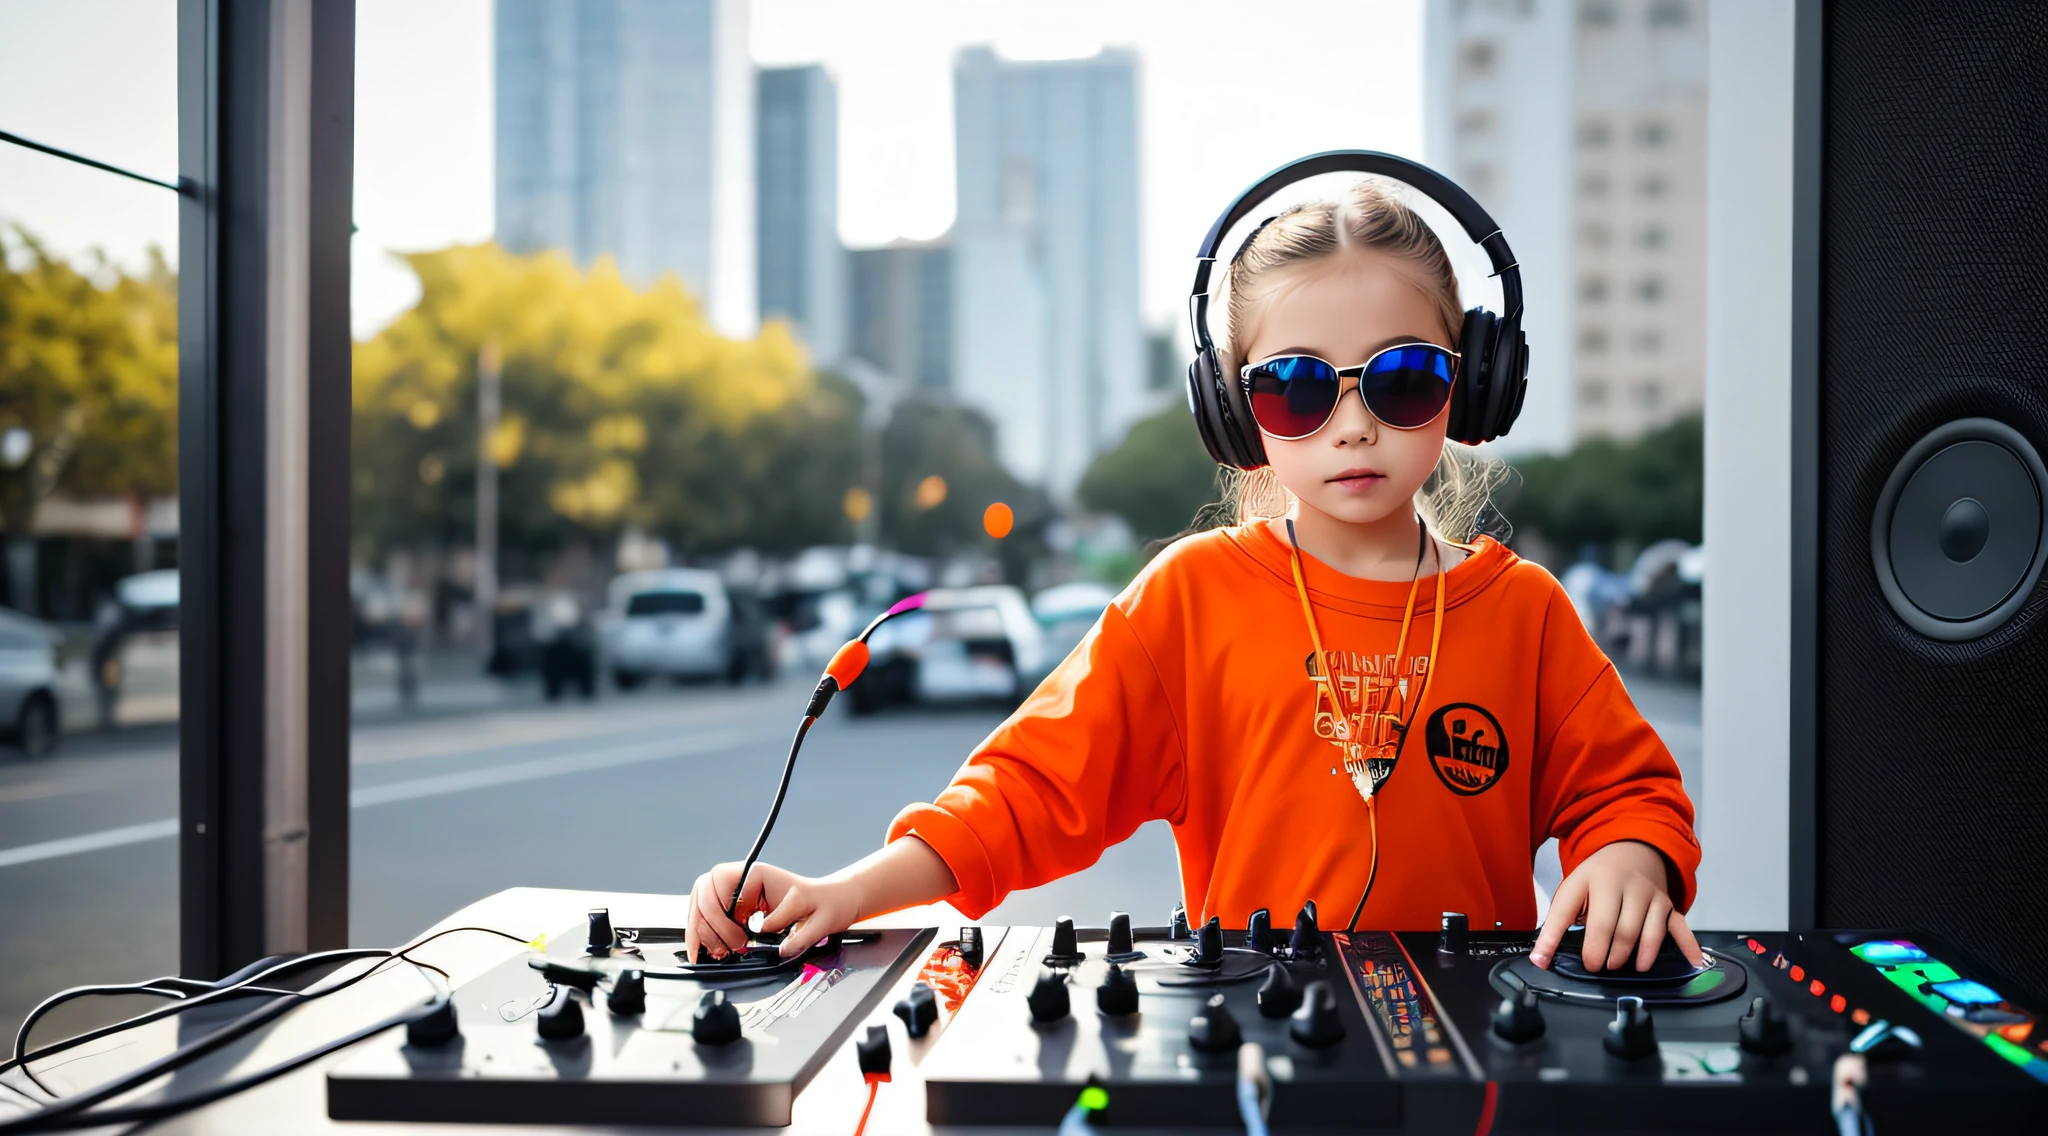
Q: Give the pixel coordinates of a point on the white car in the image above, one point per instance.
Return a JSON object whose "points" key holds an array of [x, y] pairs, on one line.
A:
{"points": [[670, 622], [965, 644]]}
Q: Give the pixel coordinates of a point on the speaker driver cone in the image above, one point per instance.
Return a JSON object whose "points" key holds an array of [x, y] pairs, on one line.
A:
{"points": [[1957, 535]]}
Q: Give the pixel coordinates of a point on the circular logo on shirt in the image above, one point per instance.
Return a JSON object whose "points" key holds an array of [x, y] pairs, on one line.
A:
{"points": [[1467, 748]]}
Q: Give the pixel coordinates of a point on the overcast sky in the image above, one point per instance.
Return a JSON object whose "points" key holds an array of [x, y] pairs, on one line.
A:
{"points": [[1230, 89]]}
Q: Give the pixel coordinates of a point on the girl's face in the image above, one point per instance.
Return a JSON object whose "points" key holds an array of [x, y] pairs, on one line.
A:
{"points": [[1356, 468]]}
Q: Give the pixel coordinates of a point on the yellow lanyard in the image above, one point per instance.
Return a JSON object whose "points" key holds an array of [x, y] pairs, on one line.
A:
{"points": [[1360, 777]]}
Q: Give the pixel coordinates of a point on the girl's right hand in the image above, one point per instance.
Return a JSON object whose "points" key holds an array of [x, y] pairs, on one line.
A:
{"points": [[809, 909]]}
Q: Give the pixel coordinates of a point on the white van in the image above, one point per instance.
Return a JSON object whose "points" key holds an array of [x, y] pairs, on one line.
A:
{"points": [[670, 622]]}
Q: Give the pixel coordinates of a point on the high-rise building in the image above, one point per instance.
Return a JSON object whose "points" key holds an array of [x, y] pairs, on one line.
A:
{"points": [[1046, 334], [801, 263], [625, 128], [1581, 126], [903, 312]]}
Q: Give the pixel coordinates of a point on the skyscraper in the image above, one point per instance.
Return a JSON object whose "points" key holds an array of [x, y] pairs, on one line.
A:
{"points": [[625, 128], [1581, 126], [902, 312], [803, 268], [1046, 335]]}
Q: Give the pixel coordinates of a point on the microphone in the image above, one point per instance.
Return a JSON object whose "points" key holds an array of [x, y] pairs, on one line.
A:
{"points": [[847, 664]]}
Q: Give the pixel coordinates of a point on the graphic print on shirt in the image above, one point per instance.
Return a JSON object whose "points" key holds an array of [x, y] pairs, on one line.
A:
{"points": [[1467, 748], [1363, 716]]}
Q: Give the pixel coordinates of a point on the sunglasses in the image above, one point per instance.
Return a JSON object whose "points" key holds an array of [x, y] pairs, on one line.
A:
{"points": [[1404, 386]]}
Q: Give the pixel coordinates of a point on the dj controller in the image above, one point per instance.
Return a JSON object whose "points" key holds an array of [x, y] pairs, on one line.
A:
{"points": [[1447, 1031]]}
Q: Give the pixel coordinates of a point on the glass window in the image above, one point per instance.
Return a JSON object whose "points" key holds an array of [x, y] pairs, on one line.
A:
{"points": [[1670, 14], [1652, 236], [1597, 13], [1475, 58], [1594, 183], [1593, 340], [1652, 186], [1593, 392], [1650, 396], [1475, 123], [1649, 341], [1595, 234], [88, 509], [1593, 289], [1594, 133], [1650, 289], [1652, 134]]}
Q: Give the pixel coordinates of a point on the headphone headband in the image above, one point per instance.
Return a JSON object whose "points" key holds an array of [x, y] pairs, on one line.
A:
{"points": [[1469, 214], [1493, 352]]}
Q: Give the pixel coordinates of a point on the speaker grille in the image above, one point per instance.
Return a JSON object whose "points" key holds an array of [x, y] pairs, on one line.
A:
{"points": [[1933, 765]]}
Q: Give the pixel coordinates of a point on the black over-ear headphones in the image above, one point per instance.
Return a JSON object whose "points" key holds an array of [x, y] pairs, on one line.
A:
{"points": [[1493, 366]]}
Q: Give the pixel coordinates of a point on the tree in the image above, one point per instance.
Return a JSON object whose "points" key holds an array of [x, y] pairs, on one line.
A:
{"points": [[620, 406], [1157, 479], [1608, 493], [939, 475], [89, 369]]}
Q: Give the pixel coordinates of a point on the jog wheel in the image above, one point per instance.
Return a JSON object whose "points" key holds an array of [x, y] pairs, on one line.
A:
{"points": [[1670, 981]]}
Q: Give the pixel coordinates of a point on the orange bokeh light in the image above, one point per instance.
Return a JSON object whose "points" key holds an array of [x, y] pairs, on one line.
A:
{"points": [[998, 519]]}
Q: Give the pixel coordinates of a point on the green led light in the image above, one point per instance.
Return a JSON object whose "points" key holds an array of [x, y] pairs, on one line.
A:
{"points": [[2008, 1050], [1094, 1098]]}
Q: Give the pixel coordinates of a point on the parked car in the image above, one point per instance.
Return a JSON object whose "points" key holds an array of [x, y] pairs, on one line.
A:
{"points": [[965, 644], [669, 622], [28, 683], [1068, 612]]}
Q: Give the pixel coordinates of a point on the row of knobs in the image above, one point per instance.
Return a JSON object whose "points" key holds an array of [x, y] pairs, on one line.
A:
{"points": [[1312, 1009], [1633, 1033], [1305, 942], [716, 1021]]}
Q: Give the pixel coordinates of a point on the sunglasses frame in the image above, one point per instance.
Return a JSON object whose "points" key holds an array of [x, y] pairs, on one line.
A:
{"points": [[1244, 378]]}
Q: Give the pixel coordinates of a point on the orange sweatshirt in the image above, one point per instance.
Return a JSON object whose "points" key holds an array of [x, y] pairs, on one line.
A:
{"points": [[1193, 701]]}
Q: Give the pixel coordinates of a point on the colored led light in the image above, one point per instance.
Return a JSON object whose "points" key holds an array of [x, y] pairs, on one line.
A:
{"points": [[1861, 1016], [1094, 1098], [1838, 1003], [1756, 947], [1818, 988], [1798, 974]]}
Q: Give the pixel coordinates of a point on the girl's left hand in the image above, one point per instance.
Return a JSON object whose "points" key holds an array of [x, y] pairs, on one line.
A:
{"points": [[1622, 894]]}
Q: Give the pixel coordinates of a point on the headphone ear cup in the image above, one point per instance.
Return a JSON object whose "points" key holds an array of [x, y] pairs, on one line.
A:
{"points": [[1213, 420], [1468, 422], [1248, 445], [1514, 379]]}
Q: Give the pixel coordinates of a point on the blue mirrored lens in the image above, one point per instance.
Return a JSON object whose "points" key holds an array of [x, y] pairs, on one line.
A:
{"points": [[1408, 386], [1292, 396]]}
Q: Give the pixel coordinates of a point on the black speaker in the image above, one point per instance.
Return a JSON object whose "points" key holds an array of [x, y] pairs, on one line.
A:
{"points": [[1930, 650]]}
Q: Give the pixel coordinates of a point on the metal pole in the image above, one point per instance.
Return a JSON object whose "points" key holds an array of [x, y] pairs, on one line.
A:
{"points": [[486, 496]]}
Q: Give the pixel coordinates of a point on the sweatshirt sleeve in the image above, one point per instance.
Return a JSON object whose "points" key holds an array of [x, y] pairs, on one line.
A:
{"points": [[1602, 774], [1091, 755]]}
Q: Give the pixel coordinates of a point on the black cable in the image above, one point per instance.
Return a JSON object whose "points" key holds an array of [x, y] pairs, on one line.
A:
{"points": [[67, 1113], [22, 1059], [82, 160], [1352, 927], [775, 810]]}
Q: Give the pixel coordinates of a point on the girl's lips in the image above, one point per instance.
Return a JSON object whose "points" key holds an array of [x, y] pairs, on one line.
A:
{"points": [[1358, 479]]}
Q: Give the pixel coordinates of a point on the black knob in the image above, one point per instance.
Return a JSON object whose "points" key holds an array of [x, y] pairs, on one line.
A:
{"points": [[435, 1025], [1118, 994], [1519, 1019], [1208, 944], [562, 1018], [1048, 998], [970, 946], [602, 937], [1213, 1029], [1065, 951], [1258, 930], [1177, 927], [918, 1009], [1316, 1023], [1631, 1035], [629, 993], [1119, 935], [1452, 939], [717, 1021], [872, 1051], [1307, 941], [1280, 994], [1762, 1030]]}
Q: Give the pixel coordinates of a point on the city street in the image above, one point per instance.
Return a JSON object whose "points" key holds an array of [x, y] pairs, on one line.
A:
{"points": [[634, 793]]}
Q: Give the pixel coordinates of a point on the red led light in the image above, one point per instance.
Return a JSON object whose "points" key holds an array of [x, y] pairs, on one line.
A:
{"points": [[1817, 988], [1838, 1003], [1861, 1016], [1756, 947], [1798, 974]]}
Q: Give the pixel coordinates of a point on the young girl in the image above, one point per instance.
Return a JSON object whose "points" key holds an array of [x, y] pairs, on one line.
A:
{"points": [[1332, 700]]}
